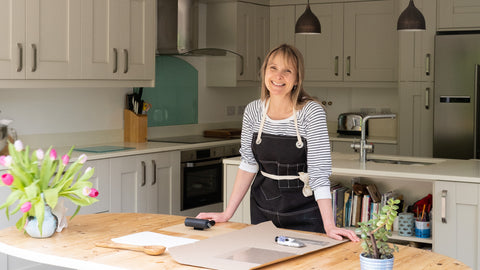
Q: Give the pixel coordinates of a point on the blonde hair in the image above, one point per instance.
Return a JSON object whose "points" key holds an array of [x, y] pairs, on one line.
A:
{"points": [[294, 57]]}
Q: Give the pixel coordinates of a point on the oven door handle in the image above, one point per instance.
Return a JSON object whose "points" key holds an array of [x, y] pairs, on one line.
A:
{"points": [[201, 163]]}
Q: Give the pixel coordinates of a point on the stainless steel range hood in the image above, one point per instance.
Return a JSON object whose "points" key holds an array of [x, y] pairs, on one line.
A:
{"points": [[177, 30]]}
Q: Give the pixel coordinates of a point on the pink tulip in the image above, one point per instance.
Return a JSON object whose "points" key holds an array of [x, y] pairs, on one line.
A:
{"points": [[18, 145], [93, 193], [26, 207], [65, 159], [53, 154], [7, 179], [6, 161]]}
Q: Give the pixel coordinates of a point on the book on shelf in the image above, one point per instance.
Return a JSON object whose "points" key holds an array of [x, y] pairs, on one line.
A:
{"points": [[365, 215], [347, 208], [339, 205], [374, 193], [356, 209]]}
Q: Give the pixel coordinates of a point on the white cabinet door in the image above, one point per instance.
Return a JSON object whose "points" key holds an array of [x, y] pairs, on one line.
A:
{"points": [[458, 14], [282, 25], [323, 53], [40, 40], [415, 119], [370, 41], [242, 28], [118, 39], [416, 48], [456, 221], [243, 211], [142, 184]]}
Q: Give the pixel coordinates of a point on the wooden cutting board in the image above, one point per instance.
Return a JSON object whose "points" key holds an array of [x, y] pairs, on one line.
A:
{"points": [[222, 133]]}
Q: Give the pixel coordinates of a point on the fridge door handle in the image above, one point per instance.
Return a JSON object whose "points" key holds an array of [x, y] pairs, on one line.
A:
{"points": [[427, 98]]}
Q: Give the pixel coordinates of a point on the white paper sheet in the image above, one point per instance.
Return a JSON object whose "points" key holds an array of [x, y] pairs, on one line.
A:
{"points": [[151, 238]]}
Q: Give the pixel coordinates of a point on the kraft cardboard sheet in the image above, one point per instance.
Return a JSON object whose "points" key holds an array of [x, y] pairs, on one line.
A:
{"points": [[248, 248]]}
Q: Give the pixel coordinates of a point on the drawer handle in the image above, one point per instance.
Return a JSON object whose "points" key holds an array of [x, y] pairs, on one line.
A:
{"points": [[427, 64], [348, 65], [144, 168], [154, 180], [444, 206], [34, 52], [336, 65], [20, 57], [427, 98], [115, 60], [125, 52]]}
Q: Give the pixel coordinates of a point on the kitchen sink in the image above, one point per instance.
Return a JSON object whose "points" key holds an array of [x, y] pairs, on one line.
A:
{"points": [[400, 162]]}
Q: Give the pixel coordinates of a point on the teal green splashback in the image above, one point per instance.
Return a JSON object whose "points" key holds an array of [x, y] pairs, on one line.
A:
{"points": [[174, 98]]}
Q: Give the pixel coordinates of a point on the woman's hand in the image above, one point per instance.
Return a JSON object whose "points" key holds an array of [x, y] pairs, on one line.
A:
{"points": [[218, 217], [337, 233]]}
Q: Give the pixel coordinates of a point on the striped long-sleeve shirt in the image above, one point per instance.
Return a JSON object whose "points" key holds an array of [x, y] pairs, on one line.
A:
{"points": [[312, 125]]}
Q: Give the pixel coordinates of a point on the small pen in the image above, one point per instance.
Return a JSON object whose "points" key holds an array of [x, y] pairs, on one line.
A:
{"points": [[288, 241]]}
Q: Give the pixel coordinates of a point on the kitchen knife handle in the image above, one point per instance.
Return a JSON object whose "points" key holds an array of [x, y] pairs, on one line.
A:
{"points": [[115, 60], [336, 65], [444, 206], [125, 52], [427, 98], [348, 65], [154, 181], [144, 169], [34, 52], [427, 64], [20, 57]]}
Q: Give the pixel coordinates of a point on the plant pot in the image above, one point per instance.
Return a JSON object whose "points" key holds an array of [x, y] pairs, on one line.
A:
{"points": [[375, 264], [48, 228]]}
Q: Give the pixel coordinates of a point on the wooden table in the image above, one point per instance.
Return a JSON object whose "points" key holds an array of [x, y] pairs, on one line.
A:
{"points": [[74, 247]]}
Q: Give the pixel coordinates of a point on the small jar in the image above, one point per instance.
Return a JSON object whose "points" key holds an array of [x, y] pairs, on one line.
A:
{"points": [[406, 224]]}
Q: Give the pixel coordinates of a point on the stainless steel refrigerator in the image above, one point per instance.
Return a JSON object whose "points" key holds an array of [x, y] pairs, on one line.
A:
{"points": [[456, 106]]}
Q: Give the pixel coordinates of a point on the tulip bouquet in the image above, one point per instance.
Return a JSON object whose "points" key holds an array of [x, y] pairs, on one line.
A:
{"points": [[39, 179]]}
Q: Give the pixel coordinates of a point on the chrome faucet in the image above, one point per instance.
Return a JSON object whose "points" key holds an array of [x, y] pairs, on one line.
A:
{"points": [[363, 146]]}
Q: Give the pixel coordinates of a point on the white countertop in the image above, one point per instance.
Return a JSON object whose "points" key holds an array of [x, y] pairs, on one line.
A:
{"points": [[442, 169]]}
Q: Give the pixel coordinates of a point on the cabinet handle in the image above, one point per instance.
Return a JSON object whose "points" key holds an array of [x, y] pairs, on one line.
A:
{"points": [[427, 98], [20, 57], [154, 181], [241, 61], [336, 65], [125, 52], [348, 65], [144, 168], [259, 67], [34, 52], [115, 59], [444, 206], [427, 64]]}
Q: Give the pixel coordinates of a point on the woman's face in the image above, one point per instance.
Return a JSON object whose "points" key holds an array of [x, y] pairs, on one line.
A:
{"points": [[280, 76]]}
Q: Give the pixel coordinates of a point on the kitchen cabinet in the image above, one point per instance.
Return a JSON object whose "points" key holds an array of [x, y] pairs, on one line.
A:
{"points": [[456, 221], [119, 39], [143, 183], [415, 119], [357, 43], [242, 28], [40, 39], [458, 14], [242, 214], [282, 25], [416, 48]]}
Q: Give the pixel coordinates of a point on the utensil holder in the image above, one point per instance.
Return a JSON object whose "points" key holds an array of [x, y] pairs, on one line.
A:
{"points": [[422, 229], [135, 127]]}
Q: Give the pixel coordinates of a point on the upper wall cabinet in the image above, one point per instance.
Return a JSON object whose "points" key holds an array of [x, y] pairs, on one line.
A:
{"points": [[242, 28], [117, 39], [282, 25], [60, 43], [458, 14], [358, 43], [40, 39], [416, 48]]}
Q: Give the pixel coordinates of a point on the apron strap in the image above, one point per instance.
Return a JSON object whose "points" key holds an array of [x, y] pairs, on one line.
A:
{"points": [[304, 177], [299, 143]]}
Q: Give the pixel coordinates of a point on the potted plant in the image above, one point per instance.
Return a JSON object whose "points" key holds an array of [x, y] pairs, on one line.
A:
{"points": [[374, 234], [38, 180]]}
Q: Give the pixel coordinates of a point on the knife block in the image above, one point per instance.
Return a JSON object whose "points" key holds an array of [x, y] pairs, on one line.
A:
{"points": [[135, 127]]}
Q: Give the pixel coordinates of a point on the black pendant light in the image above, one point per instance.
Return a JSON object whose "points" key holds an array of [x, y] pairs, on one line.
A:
{"points": [[411, 19], [308, 23]]}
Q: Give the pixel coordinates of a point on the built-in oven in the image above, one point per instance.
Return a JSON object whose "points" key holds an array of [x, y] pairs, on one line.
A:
{"points": [[201, 181]]}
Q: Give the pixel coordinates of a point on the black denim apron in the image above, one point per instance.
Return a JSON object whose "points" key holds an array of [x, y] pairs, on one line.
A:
{"points": [[282, 201]]}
